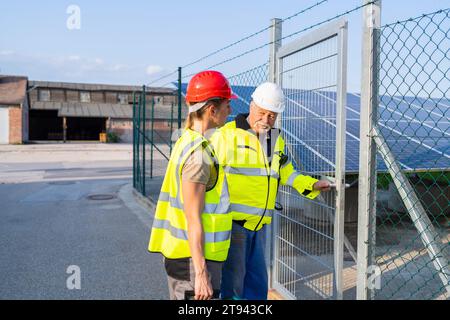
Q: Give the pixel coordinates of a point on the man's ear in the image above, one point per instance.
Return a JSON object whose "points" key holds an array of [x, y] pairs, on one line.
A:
{"points": [[212, 110]]}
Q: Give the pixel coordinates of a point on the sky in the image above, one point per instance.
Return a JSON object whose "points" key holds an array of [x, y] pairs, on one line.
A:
{"points": [[135, 42]]}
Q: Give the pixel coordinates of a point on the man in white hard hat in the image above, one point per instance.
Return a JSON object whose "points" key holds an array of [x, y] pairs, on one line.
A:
{"points": [[252, 153]]}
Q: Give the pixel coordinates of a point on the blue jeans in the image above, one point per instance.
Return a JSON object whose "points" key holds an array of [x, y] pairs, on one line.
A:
{"points": [[244, 273]]}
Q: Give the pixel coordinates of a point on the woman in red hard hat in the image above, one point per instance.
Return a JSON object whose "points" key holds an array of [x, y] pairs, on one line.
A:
{"points": [[192, 226]]}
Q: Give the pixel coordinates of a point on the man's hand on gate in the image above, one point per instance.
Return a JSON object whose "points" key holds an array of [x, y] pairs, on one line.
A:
{"points": [[322, 185]]}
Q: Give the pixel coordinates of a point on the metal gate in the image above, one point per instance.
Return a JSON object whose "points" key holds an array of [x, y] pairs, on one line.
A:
{"points": [[309, 234]]}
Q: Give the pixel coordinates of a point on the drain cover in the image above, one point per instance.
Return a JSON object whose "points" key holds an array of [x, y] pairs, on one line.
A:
{"points": [[101, 197], [61, 183]]}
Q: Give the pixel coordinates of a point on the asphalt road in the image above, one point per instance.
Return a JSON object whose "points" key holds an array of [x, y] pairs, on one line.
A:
{"points": [[50, 229]]}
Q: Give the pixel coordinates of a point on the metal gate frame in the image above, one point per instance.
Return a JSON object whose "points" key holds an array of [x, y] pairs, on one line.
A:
{"points": [[334, 29]]}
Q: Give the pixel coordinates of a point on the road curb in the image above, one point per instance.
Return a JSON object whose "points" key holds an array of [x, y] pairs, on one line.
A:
{"points": [[144, 201]]}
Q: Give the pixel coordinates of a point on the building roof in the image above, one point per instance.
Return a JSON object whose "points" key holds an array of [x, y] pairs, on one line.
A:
{"points": [[12, 89], [104, 110], [97, 87]]}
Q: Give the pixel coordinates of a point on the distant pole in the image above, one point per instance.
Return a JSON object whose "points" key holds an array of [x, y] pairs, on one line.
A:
{"points": [[144, 135], [64, 129], [151, 139], [179, 97], [134, 139]]}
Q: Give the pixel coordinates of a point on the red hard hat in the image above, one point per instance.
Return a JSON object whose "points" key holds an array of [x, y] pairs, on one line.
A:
{"points": [[206, 85]]}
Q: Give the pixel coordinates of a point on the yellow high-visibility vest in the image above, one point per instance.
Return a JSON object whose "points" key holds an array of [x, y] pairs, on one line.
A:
{"points": [[252, 180], [169, 230]]}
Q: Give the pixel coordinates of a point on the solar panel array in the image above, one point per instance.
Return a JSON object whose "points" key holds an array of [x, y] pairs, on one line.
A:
{"points": [[418, 129]]}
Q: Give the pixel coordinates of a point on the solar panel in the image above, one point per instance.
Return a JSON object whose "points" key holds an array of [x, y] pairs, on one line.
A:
{"points": [[416, 129]]}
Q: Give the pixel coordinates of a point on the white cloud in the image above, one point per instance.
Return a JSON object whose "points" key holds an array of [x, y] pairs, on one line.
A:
{"points": [[98, 61], [118, 67], [73, 67], [73, 58], [153, 69], [6, 53]]}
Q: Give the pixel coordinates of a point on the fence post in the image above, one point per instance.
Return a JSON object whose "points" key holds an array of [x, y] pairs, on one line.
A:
{"points": [[275, 44], [134, 139], [367, 147], [144, 134], [179, 97], [138, 143], [171, 128], [152, 139], [341, 102]]}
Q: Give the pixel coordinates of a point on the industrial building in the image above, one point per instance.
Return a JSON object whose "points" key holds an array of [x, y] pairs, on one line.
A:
{"points": [[14, 106], [63, 111]]}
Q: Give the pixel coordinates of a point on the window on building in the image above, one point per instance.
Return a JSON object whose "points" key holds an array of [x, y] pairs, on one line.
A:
{"points": [[122, 98], [85, 96], [44, 95]]}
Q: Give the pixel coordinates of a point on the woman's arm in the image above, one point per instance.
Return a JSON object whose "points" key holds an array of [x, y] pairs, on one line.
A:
{"points": [[194, 203]]}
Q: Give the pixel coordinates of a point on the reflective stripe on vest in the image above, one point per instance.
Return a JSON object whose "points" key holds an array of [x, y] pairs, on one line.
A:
{"points": [[257, 172], [182, 234], [250, 210], [220, 208], [292, 177]]}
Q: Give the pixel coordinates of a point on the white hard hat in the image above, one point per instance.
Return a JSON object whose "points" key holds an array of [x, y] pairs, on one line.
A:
{"points": [[269, 96]]}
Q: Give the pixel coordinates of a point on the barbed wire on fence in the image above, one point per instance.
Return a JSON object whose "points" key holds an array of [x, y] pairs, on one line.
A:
{"points": [[238, 41], [285, 37], [418, 17]]}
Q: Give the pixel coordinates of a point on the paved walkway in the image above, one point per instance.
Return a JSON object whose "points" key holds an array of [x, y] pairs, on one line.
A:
{"points": [[49, 223]]}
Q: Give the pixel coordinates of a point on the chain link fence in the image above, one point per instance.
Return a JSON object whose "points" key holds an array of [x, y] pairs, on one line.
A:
{"points": [[243, 86], [153, 127], [411, 242]]}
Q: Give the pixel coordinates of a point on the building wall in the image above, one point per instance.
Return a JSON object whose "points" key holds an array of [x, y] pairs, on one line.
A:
{"points": [[73, 95], [97, 97], [163, 129], [4, 125], [103, 96], [124, 129], [33, 94], [169, 99], [15, 125], [25, 120], [111, 97], [57, 95]]}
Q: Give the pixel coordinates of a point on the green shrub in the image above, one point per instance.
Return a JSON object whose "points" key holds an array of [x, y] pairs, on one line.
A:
{"points": [[112, 137]]}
